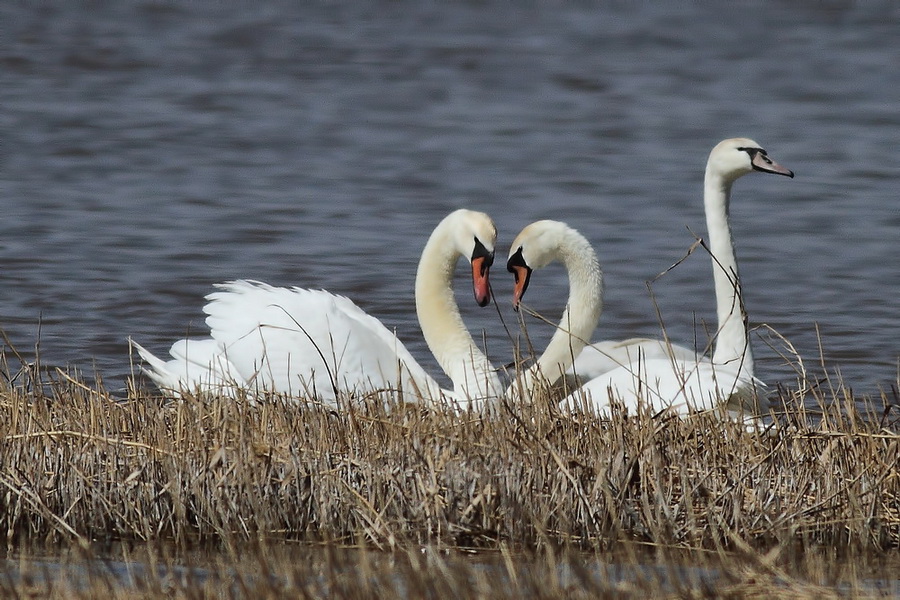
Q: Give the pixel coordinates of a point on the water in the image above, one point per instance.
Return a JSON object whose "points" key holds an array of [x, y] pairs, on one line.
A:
{"points": [[290, 566], [151, 149]]}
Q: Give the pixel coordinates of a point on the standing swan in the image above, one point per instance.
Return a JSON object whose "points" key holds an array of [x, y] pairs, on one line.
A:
{"points": [[662, 376], [304, 342]]}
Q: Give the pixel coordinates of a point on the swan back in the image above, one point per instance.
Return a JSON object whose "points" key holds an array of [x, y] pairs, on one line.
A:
{"points": [[667, 384], [601, 357]]}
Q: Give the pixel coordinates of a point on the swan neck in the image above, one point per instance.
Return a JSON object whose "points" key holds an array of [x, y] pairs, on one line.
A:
{"points": [[442, 325], [582, 312], [732, 342]]}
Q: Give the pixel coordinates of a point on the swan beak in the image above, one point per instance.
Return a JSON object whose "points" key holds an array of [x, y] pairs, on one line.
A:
{"points": [[523, 275], [762, 162], [480, 267], [522, 272]]}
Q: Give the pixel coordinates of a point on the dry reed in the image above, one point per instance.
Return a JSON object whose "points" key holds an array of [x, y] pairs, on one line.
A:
{"points": [[79, 466], [77, 463]]}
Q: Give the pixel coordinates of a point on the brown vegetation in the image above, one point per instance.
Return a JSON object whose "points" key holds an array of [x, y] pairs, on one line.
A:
{"points": [[79, 466]]}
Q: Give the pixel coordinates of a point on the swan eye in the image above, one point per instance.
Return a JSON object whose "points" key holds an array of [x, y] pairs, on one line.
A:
{"points": [[480, 251], [516, 260]]}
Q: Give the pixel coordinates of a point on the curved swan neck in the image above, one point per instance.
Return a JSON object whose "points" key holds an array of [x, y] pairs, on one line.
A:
{"points": [[442, 326], [732, 341], [583, 308]]}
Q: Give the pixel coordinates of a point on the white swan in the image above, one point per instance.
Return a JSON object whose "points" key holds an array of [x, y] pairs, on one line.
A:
{"points": [[313, 343], [661, 376], [536, 246]]}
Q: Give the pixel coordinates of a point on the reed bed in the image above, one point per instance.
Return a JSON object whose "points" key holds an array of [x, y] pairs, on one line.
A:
{"points": [[80, 466], [78, 463]]}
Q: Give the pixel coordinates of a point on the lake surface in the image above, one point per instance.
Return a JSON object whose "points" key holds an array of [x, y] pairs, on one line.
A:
{"points": [[151, 149], [412, 572]]}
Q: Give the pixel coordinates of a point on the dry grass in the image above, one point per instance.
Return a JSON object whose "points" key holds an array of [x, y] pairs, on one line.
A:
{"points": [[79, 466]]}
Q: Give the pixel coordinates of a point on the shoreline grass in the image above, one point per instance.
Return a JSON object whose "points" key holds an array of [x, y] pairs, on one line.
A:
{"points": [[81, 468]]}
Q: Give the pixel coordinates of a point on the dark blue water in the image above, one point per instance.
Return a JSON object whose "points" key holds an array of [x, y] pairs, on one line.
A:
{"points": [[151, 149]]}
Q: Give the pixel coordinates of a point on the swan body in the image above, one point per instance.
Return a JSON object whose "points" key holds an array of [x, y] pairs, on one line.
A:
{"points": [[295, 341], [602, 357], [680, 386], [313, 343], [645, 372]]}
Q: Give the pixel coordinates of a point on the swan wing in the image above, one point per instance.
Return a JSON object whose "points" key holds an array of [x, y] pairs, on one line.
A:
{"points": [[196, 365], [309, 342]]}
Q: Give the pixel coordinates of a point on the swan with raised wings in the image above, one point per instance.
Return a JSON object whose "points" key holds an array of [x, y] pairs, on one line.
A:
{"points": [[652, 371], [313, 343]]}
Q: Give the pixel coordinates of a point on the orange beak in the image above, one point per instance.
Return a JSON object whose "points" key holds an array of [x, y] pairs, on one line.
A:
{"points": [[522, 274], [480, 283]]}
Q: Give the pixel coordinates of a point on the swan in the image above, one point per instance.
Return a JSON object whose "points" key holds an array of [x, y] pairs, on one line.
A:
{"points": [[657, 375], [536, 246], [728, 161], [314, 343]]}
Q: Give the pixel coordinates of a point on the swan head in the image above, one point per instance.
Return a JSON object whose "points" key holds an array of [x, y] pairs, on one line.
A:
{"points": [[735, 157], [535, 247], [475, 237]]}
